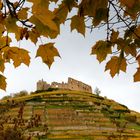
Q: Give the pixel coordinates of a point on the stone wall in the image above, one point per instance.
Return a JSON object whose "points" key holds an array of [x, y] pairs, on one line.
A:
{"points": [[78, 85], [72, 84], [42, 85], [59, 85]]}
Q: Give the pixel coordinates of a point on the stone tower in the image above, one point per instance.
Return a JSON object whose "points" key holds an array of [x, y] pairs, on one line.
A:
{"points": [[42, 85]]}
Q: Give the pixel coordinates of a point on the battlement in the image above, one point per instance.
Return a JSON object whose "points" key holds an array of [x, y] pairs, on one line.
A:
{"points": [[72, 84]]}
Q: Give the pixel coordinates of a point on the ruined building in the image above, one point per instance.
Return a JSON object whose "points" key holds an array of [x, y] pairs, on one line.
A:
{"points": [[72, 84], [42, 85]]}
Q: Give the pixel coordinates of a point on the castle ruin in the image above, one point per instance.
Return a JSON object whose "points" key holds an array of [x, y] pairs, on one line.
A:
{"points": [[72, 84]]}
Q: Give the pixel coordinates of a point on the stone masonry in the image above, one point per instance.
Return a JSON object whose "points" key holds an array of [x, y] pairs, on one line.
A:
{"points": [[72, 84]]}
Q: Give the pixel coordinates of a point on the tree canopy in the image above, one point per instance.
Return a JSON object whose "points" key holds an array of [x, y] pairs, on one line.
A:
{"points": [[34, 19]]}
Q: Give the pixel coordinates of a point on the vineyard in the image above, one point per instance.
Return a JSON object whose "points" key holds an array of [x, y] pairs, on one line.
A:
{"points": [[61, 115]]}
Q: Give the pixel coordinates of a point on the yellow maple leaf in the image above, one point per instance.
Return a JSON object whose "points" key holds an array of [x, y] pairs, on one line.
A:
{"points": [[2, 29], [2, 67], [47, 19], [18, 56], [43, 3], [137, 75], [2, 82], [12, 27], [22, 14], [42, 29], [101, 49], [90, 7], [10, 23], [124, 44], [137, 31], [47, 52], [33, 35], [1, 4], [41, 12], [138, 59], [131, 49], [114, 36], [24, 33], [70, 4], [4, 41], [78, 23], [100, 15], [61, 13], [128, 3], [115, 65]]}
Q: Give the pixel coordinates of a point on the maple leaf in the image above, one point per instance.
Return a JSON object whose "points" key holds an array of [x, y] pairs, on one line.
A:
{"points": [[41, 12], [90, 7], [2, 29], [33, 35], [70, 4], [2, 67], [115, 65], [126, 46], [47, 19], [101, 49], [78, 23], [128, 3], [4, 41], [1, 4], [12, 27], [137, 31], [24, 33], [129, 32], [10, 24], [39, 26], [100, 15], [114, 36], [2, 82], [43, 3], [60, 13], [22, 14], [47, 52], [137, 75], [138, 59], [41, 29], [131, 49], [18, 56], [132, 8]]}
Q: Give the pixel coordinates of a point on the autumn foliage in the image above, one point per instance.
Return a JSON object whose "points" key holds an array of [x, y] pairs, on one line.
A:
{"points": [[34, 19]]}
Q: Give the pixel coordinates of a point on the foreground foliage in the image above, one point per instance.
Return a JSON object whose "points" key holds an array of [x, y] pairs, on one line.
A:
{"points": [[34, 19], [11, 134]]}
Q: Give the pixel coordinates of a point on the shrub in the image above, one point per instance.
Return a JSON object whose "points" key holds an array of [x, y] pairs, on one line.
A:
{"points": [[131, 118], [6, 97], [21, 93], [11, 134]]}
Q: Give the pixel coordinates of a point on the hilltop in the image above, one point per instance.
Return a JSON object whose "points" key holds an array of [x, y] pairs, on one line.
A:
{"points": [[66, 114]]}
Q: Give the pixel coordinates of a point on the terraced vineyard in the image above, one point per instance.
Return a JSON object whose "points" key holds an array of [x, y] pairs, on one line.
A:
{"points": [[62, 115]]}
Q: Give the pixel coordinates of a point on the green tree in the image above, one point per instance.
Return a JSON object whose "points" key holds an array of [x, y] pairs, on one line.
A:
{"points": [[6, 97], [21, 93], [97, 91], [34, 19]]}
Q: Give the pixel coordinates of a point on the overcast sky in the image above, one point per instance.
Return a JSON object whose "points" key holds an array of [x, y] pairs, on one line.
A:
{"points": [[75, 62]]}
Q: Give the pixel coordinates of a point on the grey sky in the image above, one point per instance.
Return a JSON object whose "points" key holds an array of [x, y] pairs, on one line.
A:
{"points": [[75, 62]]}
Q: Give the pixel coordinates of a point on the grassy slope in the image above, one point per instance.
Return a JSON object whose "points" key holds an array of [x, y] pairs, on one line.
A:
{"points": [[106, 113]]}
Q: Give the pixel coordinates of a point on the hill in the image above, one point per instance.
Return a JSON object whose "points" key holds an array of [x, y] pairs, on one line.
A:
{"points": [[65, 114]]}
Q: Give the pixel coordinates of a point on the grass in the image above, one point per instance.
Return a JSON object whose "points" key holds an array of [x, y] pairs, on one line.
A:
{"points": [[135, 127], [75, 101], [57, 106], [29, 97]]}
